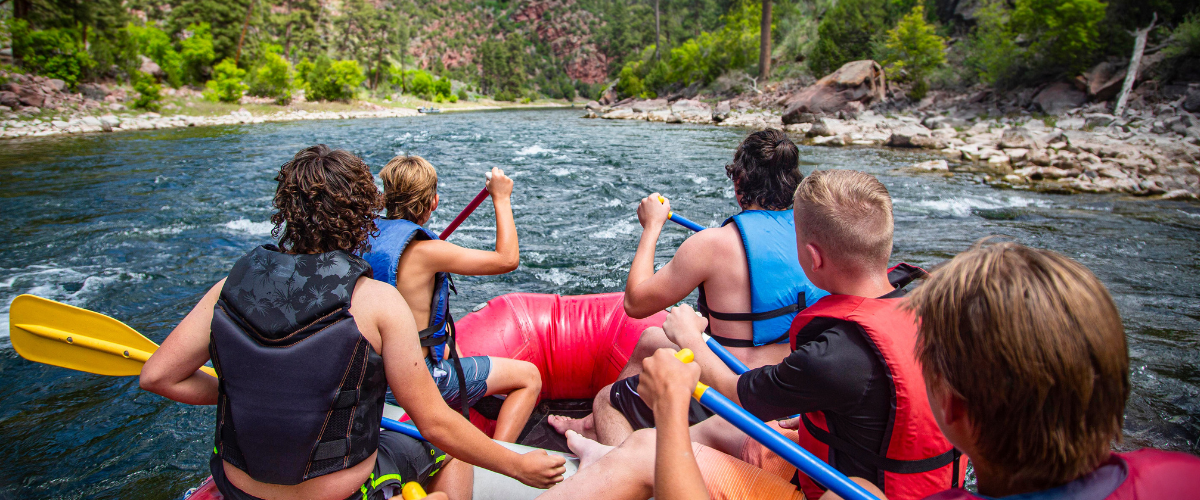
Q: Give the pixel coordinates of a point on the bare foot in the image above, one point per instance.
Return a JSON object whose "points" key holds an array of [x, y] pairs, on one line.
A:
{"points": [[587, 450], [585, 425]]}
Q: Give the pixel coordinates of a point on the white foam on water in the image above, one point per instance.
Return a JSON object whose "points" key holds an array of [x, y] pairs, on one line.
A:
{"points": [[535, 150], [556, 276], [963, 206], [559, 172], [618, 230], [697, 179], [49, 281], [613, 203], [248, 227]]}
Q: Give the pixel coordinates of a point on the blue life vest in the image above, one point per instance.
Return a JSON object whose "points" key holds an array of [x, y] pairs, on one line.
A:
{"points": [[778, 287], [384, 258]]}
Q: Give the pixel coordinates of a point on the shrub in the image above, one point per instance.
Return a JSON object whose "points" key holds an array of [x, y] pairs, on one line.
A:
{"points": [[115, 53], [452, 98], [156, 44], [56, 53], [914, 48], [462, 95], [421, 83], [1063, 34], [149, 96], [628, 83], [442, 87], [1185, 40], [273, 78], [846, 33], [226, 84], [505, 95], [197, 52], [992, 53], [334, 80]]}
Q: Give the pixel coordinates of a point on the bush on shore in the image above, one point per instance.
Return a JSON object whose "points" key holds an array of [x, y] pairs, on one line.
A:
{"points": [[913, 49], [333, 80], [226, 85], [273, 78], [149, 96]]}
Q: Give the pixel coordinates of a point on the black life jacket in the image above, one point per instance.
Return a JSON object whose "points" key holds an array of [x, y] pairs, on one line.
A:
{"points": [[301, 390]]}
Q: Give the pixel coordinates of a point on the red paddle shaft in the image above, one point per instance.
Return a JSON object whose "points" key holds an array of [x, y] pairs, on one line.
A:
{"points": [[465, 213]]}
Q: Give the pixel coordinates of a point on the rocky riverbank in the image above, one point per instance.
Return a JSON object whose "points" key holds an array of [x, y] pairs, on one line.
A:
{"points": [[1046, 139]]}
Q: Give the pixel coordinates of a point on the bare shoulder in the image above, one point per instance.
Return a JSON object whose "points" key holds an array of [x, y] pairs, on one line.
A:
{"points": [[717, 240], [370, 295]]}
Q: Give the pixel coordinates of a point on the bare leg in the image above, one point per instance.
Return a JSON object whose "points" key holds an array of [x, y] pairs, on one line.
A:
{"points": [[456, 479], [717, 433], [522, 382], [623, 473], [587, 450], [611, 426], [606, 424]]}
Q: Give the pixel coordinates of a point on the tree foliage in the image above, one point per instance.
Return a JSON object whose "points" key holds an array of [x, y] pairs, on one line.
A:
{"points": [[502, 66], [149, 96], [1062, 33], [846, 34], [333, 80], [197, 51], [226, 84], [913, 48], [55, 52], [273, 77]]}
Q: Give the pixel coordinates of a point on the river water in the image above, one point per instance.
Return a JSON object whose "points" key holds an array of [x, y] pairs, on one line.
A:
{"points": [[138, 225]]}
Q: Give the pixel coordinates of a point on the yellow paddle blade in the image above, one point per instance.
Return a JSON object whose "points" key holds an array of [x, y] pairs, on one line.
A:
{"points": [[45, 331]]}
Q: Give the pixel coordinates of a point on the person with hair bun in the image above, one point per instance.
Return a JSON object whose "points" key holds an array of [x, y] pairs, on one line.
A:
{"points": [[750, 305], [305, 345], [411, 258]]}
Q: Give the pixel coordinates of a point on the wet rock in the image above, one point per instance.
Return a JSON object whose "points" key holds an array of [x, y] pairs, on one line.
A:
{"points": [[594, 106], [906, 136], [932, 166], [1059, 97], [10, 99], [857, 81], [721, 113], [692, 111]]}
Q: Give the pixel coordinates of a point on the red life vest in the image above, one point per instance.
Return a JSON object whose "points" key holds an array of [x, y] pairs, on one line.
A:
{"points": [[918, 460], [1150, 474]]}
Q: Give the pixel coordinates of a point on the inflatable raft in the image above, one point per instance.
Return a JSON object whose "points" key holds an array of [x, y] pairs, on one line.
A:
{"points": [[579, 344]]}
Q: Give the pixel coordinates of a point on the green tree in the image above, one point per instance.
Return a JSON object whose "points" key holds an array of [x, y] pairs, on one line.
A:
{"points": [[225, 18], [914, 48], [1063, 34], [197, 51], [56, 52], [149, 96], [992, 52], [226, 84], [846, 34], [334, 80], [273, 77], [156, 44]]}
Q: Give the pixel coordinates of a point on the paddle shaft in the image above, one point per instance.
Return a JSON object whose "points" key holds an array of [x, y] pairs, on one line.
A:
{"points": [[796, 455], [462, 216], [681, 220], [733, 363]]}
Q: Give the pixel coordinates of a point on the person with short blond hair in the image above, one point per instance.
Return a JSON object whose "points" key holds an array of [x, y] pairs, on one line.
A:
{"points": [[419, 265], [851, 373], [1027, 366]]}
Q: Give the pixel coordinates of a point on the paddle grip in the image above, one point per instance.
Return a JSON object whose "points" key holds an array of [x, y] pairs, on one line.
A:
{"points": [[462, 216], [412, 490]]}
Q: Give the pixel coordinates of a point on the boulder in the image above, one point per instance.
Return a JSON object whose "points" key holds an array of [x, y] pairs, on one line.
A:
{"points": [[650, 105], [857, 81], [93, 91], [609, 96], [151, 68], [721, 112], [1018, 138], [1098, 119], [10, 99], [32, 97], [1103, 81], [692, 111], [592, 105], [57, 85], [931, 166], [904, 137], [1191, 102], [1059, 97]]}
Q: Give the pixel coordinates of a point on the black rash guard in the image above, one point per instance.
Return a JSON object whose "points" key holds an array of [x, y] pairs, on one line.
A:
{"points": [[835, 369]]}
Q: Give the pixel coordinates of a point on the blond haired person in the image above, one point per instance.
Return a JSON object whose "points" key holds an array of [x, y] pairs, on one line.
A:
{"points": [[851, 373], [419, 265]]}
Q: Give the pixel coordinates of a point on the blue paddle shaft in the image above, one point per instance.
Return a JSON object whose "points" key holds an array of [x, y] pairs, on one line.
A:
{"points": [[733, 363], [405, 428], [807, 463], [678, 219]]}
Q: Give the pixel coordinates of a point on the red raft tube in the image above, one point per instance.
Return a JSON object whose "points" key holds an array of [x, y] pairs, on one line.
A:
{"points": [[578, 342]]}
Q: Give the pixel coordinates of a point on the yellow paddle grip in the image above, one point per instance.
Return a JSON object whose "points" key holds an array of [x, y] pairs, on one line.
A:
{"points": [[412, 491], [687, 356]]}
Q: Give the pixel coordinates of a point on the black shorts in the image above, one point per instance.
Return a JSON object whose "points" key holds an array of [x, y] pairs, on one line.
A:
{"points": [[625, 398], [401, 459]]}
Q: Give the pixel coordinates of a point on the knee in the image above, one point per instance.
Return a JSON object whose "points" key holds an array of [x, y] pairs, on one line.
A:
{"points": [[651, 340], [530, 375], [602, 398], [641, 439]]}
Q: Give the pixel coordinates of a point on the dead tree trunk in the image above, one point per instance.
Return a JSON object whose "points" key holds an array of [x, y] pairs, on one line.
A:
{"points": [[238, 56], [1139, 46], [657, 30], [764, 44]]}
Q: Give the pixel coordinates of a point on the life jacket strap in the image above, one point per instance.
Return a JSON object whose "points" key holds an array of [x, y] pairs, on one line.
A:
{"points": [[702, 306], [462, 379], [868, 457], [732, 342]]}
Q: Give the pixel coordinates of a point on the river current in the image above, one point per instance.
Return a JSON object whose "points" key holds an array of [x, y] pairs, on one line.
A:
{"points": [[138, 225]]}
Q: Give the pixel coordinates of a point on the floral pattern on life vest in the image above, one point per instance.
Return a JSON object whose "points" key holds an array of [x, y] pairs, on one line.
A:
{"points": [[278, 293]]}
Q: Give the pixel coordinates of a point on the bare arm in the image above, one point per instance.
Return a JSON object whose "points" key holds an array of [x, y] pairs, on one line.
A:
{"points": [[647, 292], [416, 392], [441, 256], [667, 386], [173, 371], [684, 327]]}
